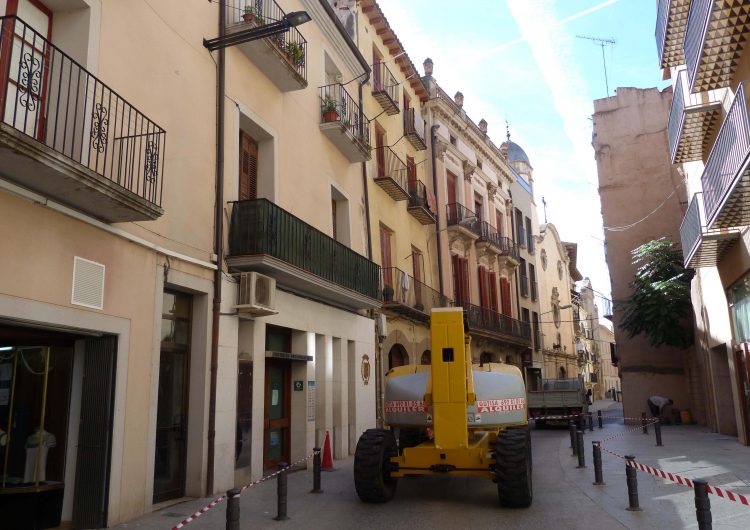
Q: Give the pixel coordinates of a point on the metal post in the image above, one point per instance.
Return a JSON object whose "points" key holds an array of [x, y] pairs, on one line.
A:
{"points": [[233, 509], [316, 471], [599, 417], [573, 443], [281, 493], [598, 478], [590, 417], [632, 479], [581, 422], [657, 430], [702, 505], [581, 454], [643, 422]]}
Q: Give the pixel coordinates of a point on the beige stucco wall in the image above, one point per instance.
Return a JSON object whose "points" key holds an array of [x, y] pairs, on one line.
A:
{"points": [[555, 276], [635, 177]]}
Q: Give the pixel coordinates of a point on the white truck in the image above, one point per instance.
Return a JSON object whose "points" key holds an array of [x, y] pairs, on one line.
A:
{"points": [[557, 397]]}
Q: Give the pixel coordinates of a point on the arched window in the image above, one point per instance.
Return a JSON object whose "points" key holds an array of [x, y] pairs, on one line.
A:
{"points": [[397, 356], [426, 357]]}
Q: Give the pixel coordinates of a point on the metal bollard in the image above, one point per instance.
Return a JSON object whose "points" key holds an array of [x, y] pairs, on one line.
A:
{"points": [[581, 422], [702, 505], [632, 479], [598, 479], [233, 509], [657, 430], [573, 443], [281, 493], [643, 422], [590, 417], [316, 471], [581, 454], [599, 417]]}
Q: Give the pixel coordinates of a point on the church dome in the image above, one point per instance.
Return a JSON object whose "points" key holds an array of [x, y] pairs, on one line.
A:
{"points": [[515, 153]]}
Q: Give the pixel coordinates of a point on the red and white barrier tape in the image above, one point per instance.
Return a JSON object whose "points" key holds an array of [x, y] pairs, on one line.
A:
{"points": [[719, 492], [714, 490], [217, 500], [621, 433]]}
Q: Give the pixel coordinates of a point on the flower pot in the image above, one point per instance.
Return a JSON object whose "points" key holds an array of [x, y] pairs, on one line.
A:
{"points": [[330, 115], [248, 17]]}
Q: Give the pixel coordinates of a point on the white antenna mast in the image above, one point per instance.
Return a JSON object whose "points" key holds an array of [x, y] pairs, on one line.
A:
{"points": [[602, 43]]}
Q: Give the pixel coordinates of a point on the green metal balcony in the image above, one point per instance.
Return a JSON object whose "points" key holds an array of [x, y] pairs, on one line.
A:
{"points": [[264, 237]]}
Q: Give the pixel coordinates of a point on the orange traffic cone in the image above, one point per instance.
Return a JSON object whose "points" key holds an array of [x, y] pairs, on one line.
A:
{"points": [[327, 464]]}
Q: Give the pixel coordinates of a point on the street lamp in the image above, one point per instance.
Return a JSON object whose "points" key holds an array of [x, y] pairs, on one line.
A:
{"points": [[290, 20]]}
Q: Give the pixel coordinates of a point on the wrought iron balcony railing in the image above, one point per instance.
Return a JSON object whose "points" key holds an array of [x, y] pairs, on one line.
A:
{"points": [[291, 45], [403, 294], [260, 227], [490, 321], [505, 246], [385, 88], [692, 119], [458, 215], [715, 32], [421, 203], [725, 178], [671, 19], [414, 128], [344, 123], [391, 173], [607, 308], [702, 247], [575, 297], [52, 99]]}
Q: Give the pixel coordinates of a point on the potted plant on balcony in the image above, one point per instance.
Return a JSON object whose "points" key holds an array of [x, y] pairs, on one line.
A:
{"points": [[249, 14], [387, 293], [295, 53], [419, 306], [330, 109]]}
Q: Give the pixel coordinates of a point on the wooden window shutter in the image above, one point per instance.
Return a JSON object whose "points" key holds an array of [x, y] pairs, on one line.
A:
{"points": [[483, 287], [505, 294], [465, 294], [456, 279], [493, 292], [248, 167]]}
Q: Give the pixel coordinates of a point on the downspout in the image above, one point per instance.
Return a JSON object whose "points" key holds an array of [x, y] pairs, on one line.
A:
{"points": [[219, 250], [437, 225]]}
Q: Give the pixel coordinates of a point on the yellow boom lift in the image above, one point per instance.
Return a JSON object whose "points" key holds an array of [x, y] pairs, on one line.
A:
{"points": [[452, 417]]}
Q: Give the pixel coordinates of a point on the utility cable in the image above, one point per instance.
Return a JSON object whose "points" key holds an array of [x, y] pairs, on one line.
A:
{"points": [[631, 225]]}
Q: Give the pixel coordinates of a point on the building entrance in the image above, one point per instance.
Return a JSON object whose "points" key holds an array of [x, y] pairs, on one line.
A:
{"points": [[276, 433]]}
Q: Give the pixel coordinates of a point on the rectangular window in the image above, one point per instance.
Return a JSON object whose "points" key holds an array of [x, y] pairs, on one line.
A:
{"points": [[380, 150], [520, 232], [417, 263], [523, 278], [451, 181], [499, 222], [478, 206], [385, 256], [535, 330], [484, 299], [505, 297], [461, 280], [529, 236], [493, 292], [532, 283], [248, 167]]}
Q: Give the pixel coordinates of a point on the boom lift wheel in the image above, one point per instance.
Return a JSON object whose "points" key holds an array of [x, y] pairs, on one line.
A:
{"points": [[372, 467], [513, 467]]}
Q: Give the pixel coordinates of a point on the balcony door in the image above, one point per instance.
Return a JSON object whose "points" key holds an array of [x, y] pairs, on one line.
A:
{"points": [[385, 256], [451, 181], [248, 167], [417, 262], [461, 280], [505, 296], [380, 150], [23, 66]]}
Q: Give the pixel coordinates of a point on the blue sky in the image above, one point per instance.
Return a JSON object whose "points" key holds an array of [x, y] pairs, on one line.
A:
{"points": [[520, 60]]}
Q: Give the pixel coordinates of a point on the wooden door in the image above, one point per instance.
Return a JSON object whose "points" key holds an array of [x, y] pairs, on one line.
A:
{"points": [[276, 421], [460, 280], [416, 265], [248, 167], [380, 150], [493, 292], [505, 296], [411, 174], [376, 74], [26, 65], [451, 188], [385, 256]]}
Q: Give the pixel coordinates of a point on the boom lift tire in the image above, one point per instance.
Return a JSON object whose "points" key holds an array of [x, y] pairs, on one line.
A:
{"points": [[372, 466], [408, 438], [513, 467]]}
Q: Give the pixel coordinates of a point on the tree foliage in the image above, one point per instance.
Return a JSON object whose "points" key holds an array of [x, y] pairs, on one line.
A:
{"points": [[660, 306]]}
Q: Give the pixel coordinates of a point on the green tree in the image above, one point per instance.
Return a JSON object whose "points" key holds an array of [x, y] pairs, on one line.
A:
{"points": [[660, 306]]}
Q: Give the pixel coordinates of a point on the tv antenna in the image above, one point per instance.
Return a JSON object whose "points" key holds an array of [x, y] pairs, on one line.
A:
{"points": [[602, 43]]}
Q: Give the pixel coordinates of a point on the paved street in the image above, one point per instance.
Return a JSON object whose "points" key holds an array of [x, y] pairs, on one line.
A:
{"points": [[563, 495]]}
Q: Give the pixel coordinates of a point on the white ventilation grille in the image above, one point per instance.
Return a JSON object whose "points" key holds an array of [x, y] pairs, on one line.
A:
{"points": [[88, 283]]}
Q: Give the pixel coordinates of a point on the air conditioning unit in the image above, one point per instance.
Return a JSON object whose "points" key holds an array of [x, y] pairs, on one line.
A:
{"points": [[256, 296]]}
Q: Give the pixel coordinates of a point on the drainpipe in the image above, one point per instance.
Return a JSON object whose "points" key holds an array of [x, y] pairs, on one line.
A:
{"points": [[364, 175], [219, 250], [433, 129]]}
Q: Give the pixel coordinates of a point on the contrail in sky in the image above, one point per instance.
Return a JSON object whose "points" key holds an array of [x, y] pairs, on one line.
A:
{"points": [[562, 22]]}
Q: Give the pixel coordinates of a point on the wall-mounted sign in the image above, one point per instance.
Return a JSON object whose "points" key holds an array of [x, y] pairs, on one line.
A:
{"points": [[311, 401], [298, 386], [365, 369]]}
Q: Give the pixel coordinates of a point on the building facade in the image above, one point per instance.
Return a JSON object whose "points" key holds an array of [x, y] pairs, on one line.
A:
{"points": [[192, 385], [478, 256], [609, 377], [707, 143], [556, 307], [636, 178]]}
